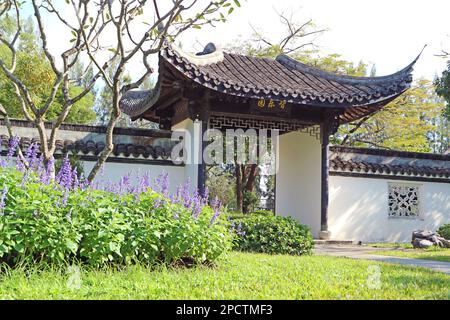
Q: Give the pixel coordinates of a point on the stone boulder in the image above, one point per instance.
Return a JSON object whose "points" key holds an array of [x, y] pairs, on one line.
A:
{"points": [[423, 239]]}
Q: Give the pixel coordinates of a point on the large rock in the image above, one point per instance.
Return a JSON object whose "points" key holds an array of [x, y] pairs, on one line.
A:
{"points": [[422, 243], [422, 234], [445, 243], [424, 239]]}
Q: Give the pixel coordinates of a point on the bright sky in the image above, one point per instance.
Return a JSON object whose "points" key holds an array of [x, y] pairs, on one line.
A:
{"points": [[389, 33]]}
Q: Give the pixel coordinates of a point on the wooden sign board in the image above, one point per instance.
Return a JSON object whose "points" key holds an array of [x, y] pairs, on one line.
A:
{"points": [[281, 107]]}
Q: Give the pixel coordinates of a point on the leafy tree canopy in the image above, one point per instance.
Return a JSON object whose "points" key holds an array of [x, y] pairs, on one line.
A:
{"points": [[443, 88], [35, 72], [412, 122]]}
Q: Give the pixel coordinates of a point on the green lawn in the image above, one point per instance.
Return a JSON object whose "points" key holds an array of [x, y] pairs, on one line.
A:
{"points": [[241, 276], [427, 254], [391, 245]]}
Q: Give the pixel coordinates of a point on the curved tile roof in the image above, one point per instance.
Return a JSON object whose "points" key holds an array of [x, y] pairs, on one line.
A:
{"points": [[282, 78], [287, 79], [363, 161], [339, 164], [90, 147]]}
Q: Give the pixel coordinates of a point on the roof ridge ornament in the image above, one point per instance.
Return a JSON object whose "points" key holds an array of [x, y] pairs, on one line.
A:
{"points": [[211, 54]]}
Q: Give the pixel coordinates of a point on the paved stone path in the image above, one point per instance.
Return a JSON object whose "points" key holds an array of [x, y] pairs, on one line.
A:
{"points": [[365, 252]]}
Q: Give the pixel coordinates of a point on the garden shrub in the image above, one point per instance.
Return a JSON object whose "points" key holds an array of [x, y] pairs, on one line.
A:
{"points": [[63, 220], [238, 215], [444, 231], [273, 235], [264, 212]]}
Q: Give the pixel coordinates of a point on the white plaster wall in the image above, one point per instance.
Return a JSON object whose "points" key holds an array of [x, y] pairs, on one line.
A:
{"points": [[298, 178], [114, 171], [358, 210], [193, 146]]}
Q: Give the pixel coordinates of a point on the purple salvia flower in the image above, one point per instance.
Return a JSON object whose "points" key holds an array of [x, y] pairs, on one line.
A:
{"points": [[239, 230], [31, 156], [185, 194], [13, 144], [25, 178], [3, 199], [40, 168], [176, 197], [69, 215], [205, 195], [156, 203], [64, 198], [162, 182], [197, 208], [46, 175], [215, 204], [64, 176], [144, 182], [76, 182], [124, 184]]}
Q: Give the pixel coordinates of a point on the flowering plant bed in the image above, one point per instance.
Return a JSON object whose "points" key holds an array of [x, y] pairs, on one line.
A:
{"points": [[66, 218]]}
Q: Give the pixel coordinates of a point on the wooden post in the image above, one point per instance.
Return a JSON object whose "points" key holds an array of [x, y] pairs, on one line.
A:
{"points": [[325, 139], [203, 116]]}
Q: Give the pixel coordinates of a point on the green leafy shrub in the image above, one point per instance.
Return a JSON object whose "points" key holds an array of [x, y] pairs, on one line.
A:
{"points": [[40, 222], [238, 215], [273, 235], [444, 231], [264, 212], [249, 201]]}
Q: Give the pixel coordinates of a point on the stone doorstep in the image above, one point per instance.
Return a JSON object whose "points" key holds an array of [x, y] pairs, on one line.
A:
{"points": [[331, 241]]}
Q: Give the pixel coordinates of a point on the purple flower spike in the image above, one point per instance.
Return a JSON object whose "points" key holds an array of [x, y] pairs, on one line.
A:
{"points": [[215, 204], [31, 156], [162, 182], [3, 199], [206, 195], [46, 174], [64, 176], [13, 145]]}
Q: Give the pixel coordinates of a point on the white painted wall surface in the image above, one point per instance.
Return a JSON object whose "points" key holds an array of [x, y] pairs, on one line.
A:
{"points": [[359, 210], [114, 171], [193, 146], [298, 179]]}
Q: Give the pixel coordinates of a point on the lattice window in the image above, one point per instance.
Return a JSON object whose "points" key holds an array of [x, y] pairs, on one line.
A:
{"points": [[222, 122], [403, 200]]}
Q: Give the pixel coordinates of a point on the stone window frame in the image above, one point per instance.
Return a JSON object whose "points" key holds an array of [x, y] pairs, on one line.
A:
{"points": [[419, 187]]}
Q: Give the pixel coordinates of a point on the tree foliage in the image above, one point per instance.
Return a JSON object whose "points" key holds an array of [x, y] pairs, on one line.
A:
{"points": [[443, 88], [102, 32], [412, 122], [37, 74]]}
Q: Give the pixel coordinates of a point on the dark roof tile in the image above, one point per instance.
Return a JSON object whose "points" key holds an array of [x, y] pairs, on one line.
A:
{"points": [[282, 78]]}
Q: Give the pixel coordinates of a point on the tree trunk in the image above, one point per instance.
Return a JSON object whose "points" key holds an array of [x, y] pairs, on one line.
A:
{"points": [[239, 189], [253, 171], [109, 141]]}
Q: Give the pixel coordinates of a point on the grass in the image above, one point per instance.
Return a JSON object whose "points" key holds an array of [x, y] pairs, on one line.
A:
{"points": [[391, 245], [406, 250], [241, 276], [436, 254]]}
